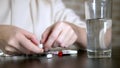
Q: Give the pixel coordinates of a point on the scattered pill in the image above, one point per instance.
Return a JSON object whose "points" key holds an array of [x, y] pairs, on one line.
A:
{"points": [[49, 55]]}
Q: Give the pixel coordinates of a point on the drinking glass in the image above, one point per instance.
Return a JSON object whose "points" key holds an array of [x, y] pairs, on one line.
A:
{"points": [[99, 26]]}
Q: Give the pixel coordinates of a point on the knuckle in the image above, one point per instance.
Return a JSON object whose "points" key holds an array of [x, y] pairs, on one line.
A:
{"points": [[63, 45], [7, 49], [11, 42], [59, 41], [53, 36], [17, 35]]}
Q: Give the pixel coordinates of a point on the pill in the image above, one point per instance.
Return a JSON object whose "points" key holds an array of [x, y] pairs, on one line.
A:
{"points": [[49, 55], [60, 53], [40, 45]]}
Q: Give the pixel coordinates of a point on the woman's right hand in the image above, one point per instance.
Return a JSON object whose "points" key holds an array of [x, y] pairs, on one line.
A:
{"points": [[14, 40]]}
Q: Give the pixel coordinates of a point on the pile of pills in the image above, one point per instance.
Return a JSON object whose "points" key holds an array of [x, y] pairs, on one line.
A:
{"points": [[59, 53]]}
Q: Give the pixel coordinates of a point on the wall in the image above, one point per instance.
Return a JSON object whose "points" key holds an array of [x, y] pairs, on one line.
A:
{"points": [[78, 7]]}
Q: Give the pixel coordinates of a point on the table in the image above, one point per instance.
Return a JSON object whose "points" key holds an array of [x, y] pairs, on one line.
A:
{"points": [[79, 61]]}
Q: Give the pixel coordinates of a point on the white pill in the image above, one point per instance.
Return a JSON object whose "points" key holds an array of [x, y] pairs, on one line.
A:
{"points": [[72, 51], [40, 45], [49, 55]]}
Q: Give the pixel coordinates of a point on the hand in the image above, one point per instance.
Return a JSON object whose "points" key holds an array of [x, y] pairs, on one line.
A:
{"points": [[60, 34], [14, 40]]}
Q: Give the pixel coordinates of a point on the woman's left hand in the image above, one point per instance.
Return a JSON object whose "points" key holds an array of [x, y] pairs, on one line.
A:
{"points": [[60, 34]]}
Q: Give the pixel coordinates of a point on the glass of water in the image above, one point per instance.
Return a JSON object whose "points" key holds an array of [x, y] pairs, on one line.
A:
{"points": [[99, 26]]}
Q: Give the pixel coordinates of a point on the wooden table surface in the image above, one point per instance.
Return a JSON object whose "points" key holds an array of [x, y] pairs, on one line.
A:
{"points": [[79, 61]]}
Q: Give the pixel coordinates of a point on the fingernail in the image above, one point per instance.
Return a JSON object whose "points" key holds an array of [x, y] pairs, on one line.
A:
{"points": [[42, 50]]}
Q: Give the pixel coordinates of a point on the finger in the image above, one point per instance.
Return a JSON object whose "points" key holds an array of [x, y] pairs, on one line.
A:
{"points": [[70, 36], [45, 35], [11, 51], [26, 43], [22, 49], [55, 44], [15, 44], [52, 37], [30, 36], [71, 40], [61, 39]]}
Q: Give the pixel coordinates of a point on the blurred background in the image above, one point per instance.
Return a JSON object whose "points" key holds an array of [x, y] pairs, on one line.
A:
{"points": [[78, 7]]}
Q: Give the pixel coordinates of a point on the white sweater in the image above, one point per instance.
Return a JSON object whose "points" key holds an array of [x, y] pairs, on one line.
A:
{"points": [[36, 15]]}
